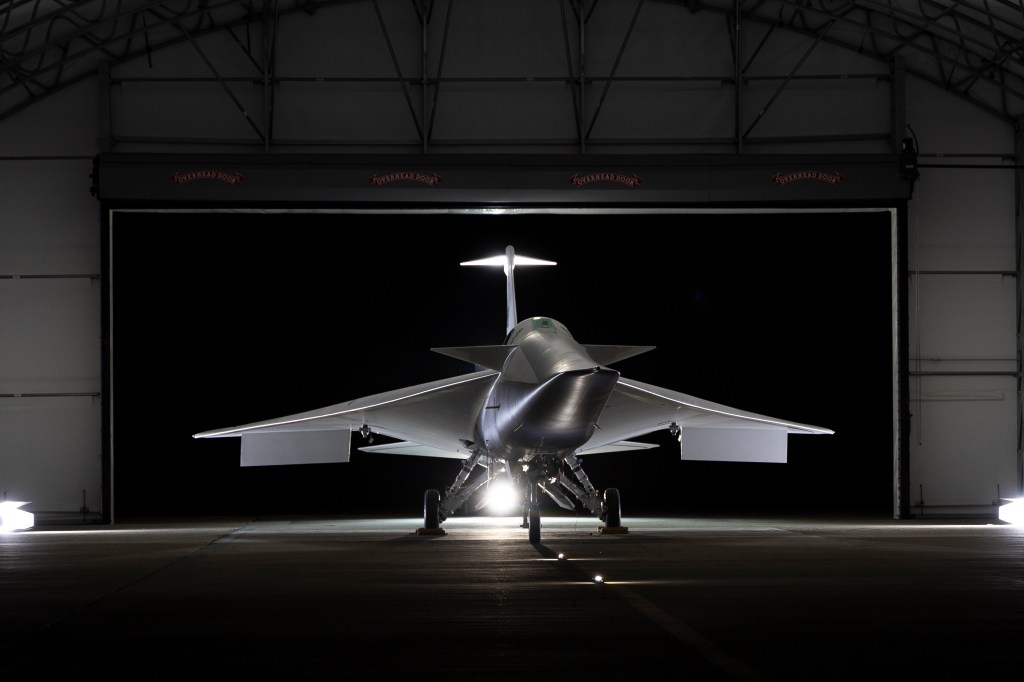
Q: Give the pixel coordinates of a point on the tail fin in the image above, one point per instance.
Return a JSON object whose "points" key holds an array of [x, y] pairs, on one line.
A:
{"points": [[509, 262]]}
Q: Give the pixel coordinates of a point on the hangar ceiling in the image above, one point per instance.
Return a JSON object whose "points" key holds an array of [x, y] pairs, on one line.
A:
{"points": [[973, 48]]}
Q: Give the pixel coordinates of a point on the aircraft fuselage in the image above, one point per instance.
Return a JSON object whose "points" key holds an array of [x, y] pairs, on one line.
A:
{"points": [[548, 398]]}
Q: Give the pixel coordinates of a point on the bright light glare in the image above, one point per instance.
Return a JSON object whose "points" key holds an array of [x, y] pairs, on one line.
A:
{"points": [[561, 556], [1012, 512], [598, 579], [503, 260], [502, 497], [12, 518]]}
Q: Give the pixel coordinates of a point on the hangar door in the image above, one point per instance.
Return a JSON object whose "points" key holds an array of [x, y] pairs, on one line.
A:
{"points": [[225, 317]]}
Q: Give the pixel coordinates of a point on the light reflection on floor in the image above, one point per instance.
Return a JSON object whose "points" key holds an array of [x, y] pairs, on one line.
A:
{"points": [[480, 527]]}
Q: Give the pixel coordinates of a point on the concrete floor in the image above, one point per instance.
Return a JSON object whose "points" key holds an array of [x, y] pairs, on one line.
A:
{"points": [[368, 599]]}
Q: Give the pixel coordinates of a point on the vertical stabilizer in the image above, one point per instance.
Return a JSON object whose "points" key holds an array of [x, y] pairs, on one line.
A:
{"points": [[509, 262]]}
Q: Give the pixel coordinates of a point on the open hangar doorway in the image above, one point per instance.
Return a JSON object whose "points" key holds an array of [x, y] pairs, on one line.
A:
{"points": [[218, 318]]}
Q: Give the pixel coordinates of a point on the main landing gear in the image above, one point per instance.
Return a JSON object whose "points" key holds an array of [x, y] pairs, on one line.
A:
{"points": [[431, 514], [612, 515], [533, 506]]}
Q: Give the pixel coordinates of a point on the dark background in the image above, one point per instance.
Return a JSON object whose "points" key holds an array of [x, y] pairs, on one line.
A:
{"points": [[222, 319]]}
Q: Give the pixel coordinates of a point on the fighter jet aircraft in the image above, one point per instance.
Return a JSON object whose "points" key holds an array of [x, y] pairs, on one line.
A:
{"points": [[536, 405]]}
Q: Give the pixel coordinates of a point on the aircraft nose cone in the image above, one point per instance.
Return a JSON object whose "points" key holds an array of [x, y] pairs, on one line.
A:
{"points": [[563, 412]]}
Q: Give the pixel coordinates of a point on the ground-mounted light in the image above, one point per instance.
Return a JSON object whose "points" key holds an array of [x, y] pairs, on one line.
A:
{"points": [[561, 557], [12, 518], [598, 579], [1012, 511]]}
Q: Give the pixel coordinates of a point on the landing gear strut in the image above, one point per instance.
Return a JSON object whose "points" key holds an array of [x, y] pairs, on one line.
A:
{"points": [[547, 475], [534, 505]]}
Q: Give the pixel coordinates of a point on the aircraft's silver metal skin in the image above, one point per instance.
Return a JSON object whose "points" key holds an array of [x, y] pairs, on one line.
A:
{"points": [[541, 401]]}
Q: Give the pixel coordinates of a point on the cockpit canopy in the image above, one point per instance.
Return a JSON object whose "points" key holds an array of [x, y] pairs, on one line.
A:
{"points": [[542, 324]]}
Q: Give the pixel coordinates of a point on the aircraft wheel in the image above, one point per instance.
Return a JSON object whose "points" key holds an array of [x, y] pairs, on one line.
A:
{"points": [[612, 508], [534, 524], [432, 509]]}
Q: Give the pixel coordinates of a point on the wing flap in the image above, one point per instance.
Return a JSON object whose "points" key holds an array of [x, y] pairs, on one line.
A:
{"points": [[734, 445], [300, 447]]}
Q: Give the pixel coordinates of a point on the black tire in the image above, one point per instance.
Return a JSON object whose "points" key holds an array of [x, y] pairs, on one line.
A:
{"points": [[534, 524], [432, 509], [612, 508]]}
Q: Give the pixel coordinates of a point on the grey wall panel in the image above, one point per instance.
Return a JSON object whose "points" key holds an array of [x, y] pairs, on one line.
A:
{"points": [[668, 110], [342, 111], [347, 40], [505, 39], [963, 449], [964, 318], [50, 411], [189, 109], [206, 55], [944, 124], [50, 444], [505, 112], [828, 107], [962, 336], [62, 124], [651, 49], [50, 453], [50, 338], [48, 219], [963, 219]]}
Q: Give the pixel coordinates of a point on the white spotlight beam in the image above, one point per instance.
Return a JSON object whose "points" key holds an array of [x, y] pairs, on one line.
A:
{"points": [[1012, 511], [12, 518]]}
